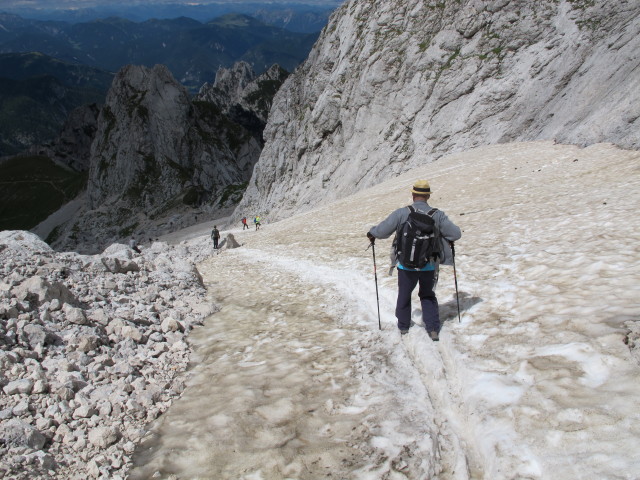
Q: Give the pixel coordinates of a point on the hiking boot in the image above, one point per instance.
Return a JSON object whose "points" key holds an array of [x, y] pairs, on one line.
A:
{"points": [[434, 336], [403, 332]]}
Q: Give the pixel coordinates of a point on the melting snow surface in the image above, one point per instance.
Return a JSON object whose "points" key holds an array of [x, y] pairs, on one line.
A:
{"points": [[293, 378]]}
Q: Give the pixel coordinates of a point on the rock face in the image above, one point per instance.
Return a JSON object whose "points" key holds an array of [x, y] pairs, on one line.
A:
{"points": [[394, 84], [89, 356], [156, 156], [243, 96], [149, 134]]}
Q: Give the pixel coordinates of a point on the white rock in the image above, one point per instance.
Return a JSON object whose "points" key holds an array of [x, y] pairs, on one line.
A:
{"points": [[131, 332], [102, 437], [24, 385], [170, 324], [74, 315], [21, 434]]}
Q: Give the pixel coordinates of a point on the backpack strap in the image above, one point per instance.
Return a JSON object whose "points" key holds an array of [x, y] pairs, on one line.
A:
{"points": [[431, 212]]}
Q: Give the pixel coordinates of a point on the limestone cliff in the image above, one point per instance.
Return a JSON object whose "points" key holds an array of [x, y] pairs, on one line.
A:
{"points": [[392, 84], [157, 160], [244, 96]]}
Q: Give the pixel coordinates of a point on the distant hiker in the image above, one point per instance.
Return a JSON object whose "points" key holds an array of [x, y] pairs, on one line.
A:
{"points": [[215, 236], [244, 223], [133, 245], [434, 247], [256, 220]]}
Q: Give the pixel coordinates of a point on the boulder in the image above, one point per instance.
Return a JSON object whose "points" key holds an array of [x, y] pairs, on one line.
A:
{"points": [[18, 433]]}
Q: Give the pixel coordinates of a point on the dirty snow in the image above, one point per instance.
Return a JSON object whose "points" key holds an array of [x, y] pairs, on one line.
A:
{"points": [[293, 378]]}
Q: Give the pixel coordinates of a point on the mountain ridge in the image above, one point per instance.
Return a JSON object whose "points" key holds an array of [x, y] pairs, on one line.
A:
{"points": [[157, 157], [303, 17], [390, 86], [192, 50]]}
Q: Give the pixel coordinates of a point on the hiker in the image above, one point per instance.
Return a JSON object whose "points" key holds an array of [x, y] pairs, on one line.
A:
{"points": [[244, 223], [215, 236], [426, 276], [133, 245], [256, 220]]}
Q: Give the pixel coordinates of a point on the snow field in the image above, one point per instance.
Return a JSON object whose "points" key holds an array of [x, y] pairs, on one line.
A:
{"points": [[534, 382]]}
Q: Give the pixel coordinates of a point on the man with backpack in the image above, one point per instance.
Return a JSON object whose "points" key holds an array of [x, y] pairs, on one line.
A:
{"points": [[244, 223], [423, 236], [215, 236]]}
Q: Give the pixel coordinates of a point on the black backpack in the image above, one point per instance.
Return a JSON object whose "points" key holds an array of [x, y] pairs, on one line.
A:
{"points": [[418, 239]]}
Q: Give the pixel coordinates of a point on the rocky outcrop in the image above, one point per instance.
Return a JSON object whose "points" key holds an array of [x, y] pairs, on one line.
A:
{"points": [[150, 135], [243, 96], [89, 356], [157, 160], [394, 84]]}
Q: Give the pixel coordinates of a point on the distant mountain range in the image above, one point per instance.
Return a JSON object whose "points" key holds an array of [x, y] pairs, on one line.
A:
{"points": [[37, 93], [193, 51], [77, 61], [307, 16]]}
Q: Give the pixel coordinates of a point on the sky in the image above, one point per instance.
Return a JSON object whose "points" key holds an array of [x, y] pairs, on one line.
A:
{"points": [[293, 377]]}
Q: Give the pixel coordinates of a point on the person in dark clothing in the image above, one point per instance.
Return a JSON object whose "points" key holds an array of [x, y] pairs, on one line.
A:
{"points": [[215, 236], [427, 276], [133, 245]]}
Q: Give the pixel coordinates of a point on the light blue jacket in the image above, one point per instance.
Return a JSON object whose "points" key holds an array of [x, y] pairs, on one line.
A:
{"points": [[449, 231]]}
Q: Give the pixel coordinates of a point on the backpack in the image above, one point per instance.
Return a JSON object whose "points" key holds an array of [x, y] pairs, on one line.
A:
{"points": [[418, 239]]}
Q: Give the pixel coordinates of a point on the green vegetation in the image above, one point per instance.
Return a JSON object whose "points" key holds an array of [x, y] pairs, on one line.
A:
{"points": [[232, 193], [191, 196], [53, 235], [451, 59], [589, 24], [183, 173], [128, 230], [135, 106], [582, 4], [214, 125], [145, 178], [108, 115], [263, 97], [32, 188]]}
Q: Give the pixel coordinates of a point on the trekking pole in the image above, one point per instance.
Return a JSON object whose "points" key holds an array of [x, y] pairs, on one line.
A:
{"points": [[455, 277], [375, 274]]}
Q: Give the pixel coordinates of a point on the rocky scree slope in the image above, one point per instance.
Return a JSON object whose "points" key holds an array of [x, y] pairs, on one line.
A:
{"points": [[393, 84], [156, 155], [92, 348]]}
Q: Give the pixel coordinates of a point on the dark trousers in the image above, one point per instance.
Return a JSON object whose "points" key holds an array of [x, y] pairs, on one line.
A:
{"points": [[407, 281], [215, 242]]}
